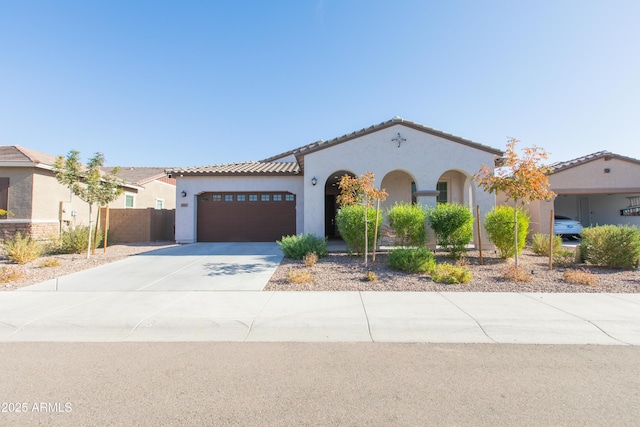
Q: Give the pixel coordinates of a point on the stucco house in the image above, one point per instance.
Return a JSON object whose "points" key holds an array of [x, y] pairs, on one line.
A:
{"points": [[39, 205], [295, 192], [150, 188], [596, 189]]}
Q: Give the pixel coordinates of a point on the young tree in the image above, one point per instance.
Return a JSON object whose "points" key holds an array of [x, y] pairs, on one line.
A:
{"points": [[520, 179], [88, 182], [362, 191]]}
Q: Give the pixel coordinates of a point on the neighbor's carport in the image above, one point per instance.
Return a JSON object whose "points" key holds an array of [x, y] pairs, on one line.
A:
{"points": [[597, 189]]}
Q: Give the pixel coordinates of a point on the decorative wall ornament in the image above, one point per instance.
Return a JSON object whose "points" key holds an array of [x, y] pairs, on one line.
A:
{"points": [[399, 139]]}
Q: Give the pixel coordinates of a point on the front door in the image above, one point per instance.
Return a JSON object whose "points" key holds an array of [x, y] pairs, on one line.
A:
{"points": [[330, 229]]}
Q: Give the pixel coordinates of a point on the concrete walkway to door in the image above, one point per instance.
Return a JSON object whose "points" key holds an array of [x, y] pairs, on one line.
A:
{"points": [[194, 267]]}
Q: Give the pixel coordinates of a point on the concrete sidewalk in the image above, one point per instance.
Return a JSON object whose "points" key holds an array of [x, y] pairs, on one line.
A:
{"points": [[117, 316]]}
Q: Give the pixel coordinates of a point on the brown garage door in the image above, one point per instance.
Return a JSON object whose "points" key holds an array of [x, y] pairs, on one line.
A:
{"points": [[245, 216]]}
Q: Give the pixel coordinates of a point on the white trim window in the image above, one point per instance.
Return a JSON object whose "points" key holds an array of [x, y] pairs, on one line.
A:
{"points": [[443, 188], [129, 201], [159, 204]]}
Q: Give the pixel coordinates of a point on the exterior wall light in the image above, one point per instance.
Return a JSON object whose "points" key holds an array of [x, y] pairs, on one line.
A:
{"points": [[314, 180], [183, 194]]}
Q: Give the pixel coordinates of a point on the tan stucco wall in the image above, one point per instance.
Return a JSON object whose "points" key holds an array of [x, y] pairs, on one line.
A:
{"points": [[35, 195], [146, 196], [591, 178]]}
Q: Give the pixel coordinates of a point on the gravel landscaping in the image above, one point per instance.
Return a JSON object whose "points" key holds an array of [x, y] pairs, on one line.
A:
{"points": [[342, 272]]}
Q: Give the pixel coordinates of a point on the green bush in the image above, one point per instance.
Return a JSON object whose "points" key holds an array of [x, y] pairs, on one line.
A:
{"points": [[298, 246], [22, 250], [350, 220], [615, 246], [452, 274], [499, 225], [564, 258], [74, 241], [408, 224], [453, 226], [540, 244], [412, 260]]}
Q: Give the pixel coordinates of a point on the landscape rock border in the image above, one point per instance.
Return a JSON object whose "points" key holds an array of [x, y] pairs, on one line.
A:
{"points": [[343, 272]]}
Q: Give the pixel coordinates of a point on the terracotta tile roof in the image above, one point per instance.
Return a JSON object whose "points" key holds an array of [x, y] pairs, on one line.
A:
{"points": [[560, 166], [319, 145], [15, 153], [243, 168], [138, 175]]}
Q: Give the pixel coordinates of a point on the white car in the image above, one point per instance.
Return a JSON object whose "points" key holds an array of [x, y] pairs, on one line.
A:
{"points": [[566, 227]]}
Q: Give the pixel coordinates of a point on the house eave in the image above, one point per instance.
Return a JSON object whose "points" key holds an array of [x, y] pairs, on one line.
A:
{"points": [[235, 174]]}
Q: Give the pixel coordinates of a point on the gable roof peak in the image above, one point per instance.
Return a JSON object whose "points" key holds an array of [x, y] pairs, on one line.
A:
{"points": [[17, 153], [321, 144], [604, 154]]}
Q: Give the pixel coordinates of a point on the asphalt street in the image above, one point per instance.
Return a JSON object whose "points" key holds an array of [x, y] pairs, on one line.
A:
{"points": [[320, 384]]}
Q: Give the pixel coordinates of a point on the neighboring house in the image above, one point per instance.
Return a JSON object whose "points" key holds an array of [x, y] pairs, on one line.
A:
{"points": [[596, 189], [295, 192], [39, 206], [150, 188]]}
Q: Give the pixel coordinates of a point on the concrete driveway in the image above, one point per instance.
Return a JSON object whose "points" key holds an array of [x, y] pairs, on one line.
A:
{"points": [[194, 267]]}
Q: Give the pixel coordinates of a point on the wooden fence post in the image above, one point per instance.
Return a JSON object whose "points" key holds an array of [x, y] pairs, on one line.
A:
{"points": [[479, 232]]}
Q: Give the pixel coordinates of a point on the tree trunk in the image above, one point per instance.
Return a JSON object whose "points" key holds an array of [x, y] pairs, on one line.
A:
{"points": [[94, 240], [366, 231], [90, 228], [375, 233], [515, 229]]}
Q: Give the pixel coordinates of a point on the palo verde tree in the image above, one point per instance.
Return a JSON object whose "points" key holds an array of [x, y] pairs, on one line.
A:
{"points": [[88, 182], [362, 191], [521, 179]]}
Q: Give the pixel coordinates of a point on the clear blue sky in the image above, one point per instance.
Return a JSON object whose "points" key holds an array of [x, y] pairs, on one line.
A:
{"points": [[189, 83]]}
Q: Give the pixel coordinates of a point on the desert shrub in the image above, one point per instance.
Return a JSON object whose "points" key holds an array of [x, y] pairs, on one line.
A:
{"points": [[515, 274], [580, 277], [51, 262], [408, 223], [299, 277], [451, 274], [615, 246], [22, 250], [310, 259], [9, 274], [411, 260], [499, 225], [370, 277], [564, 258], [298, 246], [540, 244], [350, 220], [453, 226], [73, 241]]}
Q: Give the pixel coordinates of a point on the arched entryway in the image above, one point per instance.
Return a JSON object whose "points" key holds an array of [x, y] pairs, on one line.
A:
{"points": [[400, 186], [455, 186], [331, 192]]}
